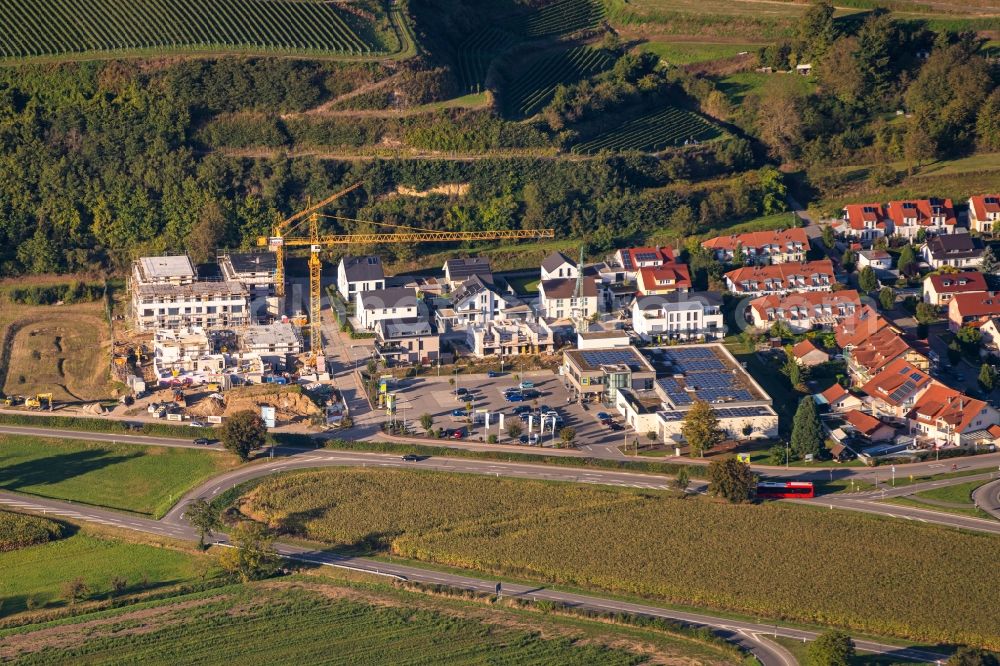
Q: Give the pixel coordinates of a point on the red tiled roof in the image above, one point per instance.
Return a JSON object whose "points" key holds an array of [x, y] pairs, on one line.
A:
{"points": [[941, 403], [855, 330], [834, 393], [977, 304], [866, 424], [805, 347], [888, 385], [879, 349], [809, 300], [955, 283], [923, 210], [758, 239], [781, 273], [981, 207], [664, 255], [649, 278], [857, 215]]}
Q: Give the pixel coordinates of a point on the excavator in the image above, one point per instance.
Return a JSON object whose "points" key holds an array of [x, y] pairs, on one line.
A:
{"points": [[39, 399]]}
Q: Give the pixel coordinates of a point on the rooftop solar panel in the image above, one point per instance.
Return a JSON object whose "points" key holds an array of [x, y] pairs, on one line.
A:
{"points": [[626, 260]]}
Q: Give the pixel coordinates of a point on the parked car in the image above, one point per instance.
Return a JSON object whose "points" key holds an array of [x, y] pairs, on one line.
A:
{"points": [[533, 438], [461, 391], [203, 441], [608, 421], [526, 384], [493, 373], [411, 457], [196, 424], [603, 416], [459, 413], [522, 409], [530, 394], [515, 397], [458, 434], [615, 426]]}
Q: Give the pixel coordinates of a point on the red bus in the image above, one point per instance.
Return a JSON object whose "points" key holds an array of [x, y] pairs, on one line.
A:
{"points": [[785, 489]]}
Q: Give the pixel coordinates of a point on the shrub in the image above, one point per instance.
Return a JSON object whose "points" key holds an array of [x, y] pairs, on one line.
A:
{"points": [[18, 530]]}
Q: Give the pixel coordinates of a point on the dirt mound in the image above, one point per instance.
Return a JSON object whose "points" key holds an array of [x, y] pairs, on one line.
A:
{"points": [[290, 404]]}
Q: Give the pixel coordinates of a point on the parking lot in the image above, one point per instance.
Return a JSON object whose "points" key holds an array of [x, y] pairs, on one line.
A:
{"points": [[435, 396]]}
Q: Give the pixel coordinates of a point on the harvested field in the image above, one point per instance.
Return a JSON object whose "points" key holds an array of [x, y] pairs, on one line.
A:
{"points": [[59, 349]]}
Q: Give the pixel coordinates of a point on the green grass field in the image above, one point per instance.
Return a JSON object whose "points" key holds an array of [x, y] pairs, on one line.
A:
{"points": [[141, 479], [317, 619], [39, 572], [688, 53], [771, 559]]}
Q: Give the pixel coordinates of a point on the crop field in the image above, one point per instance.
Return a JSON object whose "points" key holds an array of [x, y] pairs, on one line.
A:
{"points": [[94, 558], [772, 559], [19, 530], [667, 128], [57, 27], [537, 80], [141, 479], [311, 622], [64, 350], [560, 18]]}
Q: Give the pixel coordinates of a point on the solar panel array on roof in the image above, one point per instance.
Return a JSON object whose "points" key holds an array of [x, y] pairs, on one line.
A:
{"points": [[740, 412], [916, 376], [675, 391], [991, 200], [646, 256], [595, 358], [672, 416], [902, 391], [626, 260], [727, 393]]}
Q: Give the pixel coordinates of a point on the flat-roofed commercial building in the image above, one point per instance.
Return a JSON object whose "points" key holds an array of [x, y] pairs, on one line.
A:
{"points": [[597, 374]]}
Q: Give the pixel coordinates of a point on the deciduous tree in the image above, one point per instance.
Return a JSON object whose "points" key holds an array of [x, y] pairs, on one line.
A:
{"points": [[731, 479], [204, 518], [867, 281], [252, 556], [970, 656], [887, 298], [833, 648], [907, 260], [242, 433], [701, 428]]}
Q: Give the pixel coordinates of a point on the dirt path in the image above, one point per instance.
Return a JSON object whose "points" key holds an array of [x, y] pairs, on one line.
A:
{"points": [[326, 108], [403, 154]]}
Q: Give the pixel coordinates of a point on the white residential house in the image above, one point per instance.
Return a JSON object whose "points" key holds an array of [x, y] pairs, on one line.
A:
{"points": [[934, 216], [557, 266], [954, 250], [475, 301], [984, 213], [557, 299], [877, 260], [202, 304], [357, 274], [394, 303], [696, 316]]}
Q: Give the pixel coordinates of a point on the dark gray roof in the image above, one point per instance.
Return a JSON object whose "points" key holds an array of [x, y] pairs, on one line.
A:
{"points": [[403, 328], [702, 297], [393, 297], [954, 246], [460, 269], [470, 287], [360, 269], [555, 260], [566, 287], [254, 262]]}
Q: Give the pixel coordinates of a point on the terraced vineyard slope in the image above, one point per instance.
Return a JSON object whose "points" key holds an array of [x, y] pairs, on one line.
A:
{"points": [[560, 18], [536, 83], [57, 27], [667, 128]]}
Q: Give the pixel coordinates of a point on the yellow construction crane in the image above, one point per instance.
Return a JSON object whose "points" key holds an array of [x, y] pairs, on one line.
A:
{"points": [[316, 242], [277, 239]]}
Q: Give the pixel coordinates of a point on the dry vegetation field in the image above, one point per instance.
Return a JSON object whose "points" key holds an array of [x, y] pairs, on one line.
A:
{"points": [[62, 349], [771, 560]]}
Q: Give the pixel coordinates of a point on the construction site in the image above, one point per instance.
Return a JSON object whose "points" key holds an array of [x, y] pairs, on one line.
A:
{"points": [[195, 344]]}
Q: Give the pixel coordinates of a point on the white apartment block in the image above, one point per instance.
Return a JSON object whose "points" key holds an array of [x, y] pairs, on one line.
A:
{"points": [[691, 318]]}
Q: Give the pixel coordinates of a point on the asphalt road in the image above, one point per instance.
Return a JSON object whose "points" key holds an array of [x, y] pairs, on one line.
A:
{"points": [[987, 498], [990, 461], [750, 635]]}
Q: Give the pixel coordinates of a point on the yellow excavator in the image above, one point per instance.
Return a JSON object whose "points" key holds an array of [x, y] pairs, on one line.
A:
{"points": [[39, 399]]}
